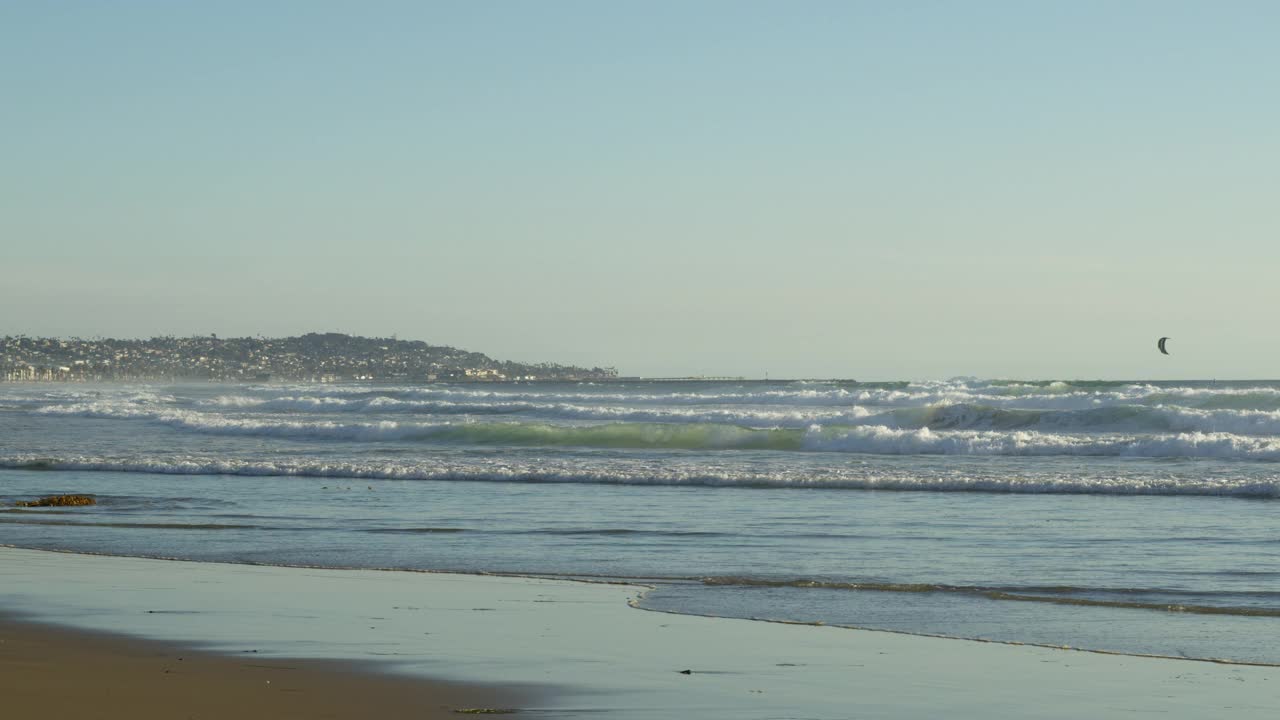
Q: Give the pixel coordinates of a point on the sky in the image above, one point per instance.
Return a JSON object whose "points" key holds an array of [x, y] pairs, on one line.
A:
{"points": [[870, 190]]}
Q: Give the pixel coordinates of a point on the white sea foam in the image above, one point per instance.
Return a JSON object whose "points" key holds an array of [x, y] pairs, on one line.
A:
{"points": [[761, 417], [672, 473], [895, 441], [871, 438], [1052, 396], [1094, 416]]}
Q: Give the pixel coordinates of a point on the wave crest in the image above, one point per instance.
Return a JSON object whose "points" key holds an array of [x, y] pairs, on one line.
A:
{"points": [[674, 474]]}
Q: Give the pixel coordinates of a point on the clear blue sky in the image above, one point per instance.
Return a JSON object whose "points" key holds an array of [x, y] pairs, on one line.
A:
{"points": [[870, 190]]}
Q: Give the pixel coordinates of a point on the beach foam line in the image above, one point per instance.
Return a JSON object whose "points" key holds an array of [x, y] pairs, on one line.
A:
{"points": [[673, 474], [1173, 600]]}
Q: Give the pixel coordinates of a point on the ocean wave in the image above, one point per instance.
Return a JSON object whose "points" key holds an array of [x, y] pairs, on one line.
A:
{"points": [[763, 417], [892, 395], [791, 403], [1025, 443], [1252, 398], [1130, 598], [940, 416], [376, 404], [1114, 418], [869, 438], [1050, 396], [614, 435], [665, 474]]}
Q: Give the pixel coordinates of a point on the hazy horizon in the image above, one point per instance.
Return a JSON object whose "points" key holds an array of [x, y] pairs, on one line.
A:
{"points": [[876, 191]]}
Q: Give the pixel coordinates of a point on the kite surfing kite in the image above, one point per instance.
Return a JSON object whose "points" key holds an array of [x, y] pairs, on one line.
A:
{"points": [[1160, 345]]}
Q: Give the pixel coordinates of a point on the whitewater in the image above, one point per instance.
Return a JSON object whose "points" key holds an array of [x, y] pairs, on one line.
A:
{"points": [[1124, 516]]}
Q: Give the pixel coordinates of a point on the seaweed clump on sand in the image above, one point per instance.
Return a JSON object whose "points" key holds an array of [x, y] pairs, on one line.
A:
{"points": [[59, 501]]}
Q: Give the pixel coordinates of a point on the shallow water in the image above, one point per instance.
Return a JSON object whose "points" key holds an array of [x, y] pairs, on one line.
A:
{"points": [[1136, 517]]}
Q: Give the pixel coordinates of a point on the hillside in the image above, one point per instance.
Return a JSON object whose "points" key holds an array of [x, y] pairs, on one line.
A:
{"points": [[321, 357]]}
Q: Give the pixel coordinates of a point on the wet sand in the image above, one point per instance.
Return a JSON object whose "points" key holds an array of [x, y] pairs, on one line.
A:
{"points": [[54, 672], [579, 646]]}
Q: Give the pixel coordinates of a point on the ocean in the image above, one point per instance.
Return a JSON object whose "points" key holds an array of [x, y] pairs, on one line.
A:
{"points": [[1131, 517]]}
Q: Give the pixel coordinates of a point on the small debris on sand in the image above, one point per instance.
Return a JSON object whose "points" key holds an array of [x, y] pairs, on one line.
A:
{"points": [[59, 501]]}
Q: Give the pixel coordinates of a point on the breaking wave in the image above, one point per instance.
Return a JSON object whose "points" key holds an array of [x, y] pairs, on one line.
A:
{"points": [[1113, 418], [1133, 418], [563, 411], [893, 439], [1033, 395], [667, 473]]}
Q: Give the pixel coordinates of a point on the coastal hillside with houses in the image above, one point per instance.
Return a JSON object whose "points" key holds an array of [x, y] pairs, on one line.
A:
{"points": [[314, 357]]}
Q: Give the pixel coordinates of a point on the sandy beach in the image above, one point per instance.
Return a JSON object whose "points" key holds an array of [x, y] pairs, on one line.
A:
{"points": [[639, 360], [581, 643], [55, 672]]}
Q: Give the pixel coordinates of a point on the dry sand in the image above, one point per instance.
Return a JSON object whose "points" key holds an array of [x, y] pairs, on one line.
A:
{"points": [[53, 672]]}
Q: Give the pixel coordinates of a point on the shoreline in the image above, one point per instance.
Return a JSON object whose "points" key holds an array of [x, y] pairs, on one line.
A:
{"points": [[599, 655], [641, 588]]}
